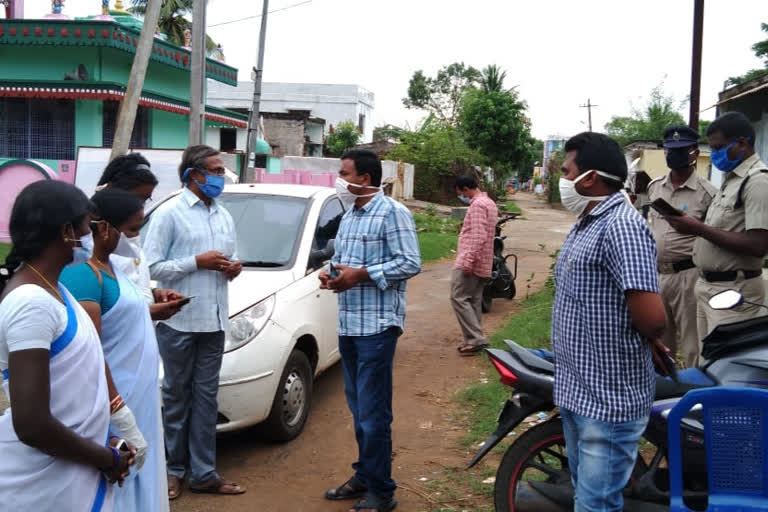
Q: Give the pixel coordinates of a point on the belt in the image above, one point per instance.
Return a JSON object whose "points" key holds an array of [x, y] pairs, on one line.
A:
{"points": [[674, 268], [729, 275]]}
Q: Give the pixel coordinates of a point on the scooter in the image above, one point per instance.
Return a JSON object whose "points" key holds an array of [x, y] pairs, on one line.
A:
{"points": [[502, 282], [534, 474]]}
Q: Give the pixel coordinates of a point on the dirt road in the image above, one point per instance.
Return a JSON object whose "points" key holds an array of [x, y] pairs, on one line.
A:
{"points": [[428, 373]]}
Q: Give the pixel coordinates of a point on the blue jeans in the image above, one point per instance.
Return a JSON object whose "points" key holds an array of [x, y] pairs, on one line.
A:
{"points": [[601, 456], [368, 364], [191, 361]]}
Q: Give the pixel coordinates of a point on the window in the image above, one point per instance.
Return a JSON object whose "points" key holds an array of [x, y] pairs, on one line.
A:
{"points": [[328, 223], [227, 139], [37, 128], [140, 135], [361, 123]]}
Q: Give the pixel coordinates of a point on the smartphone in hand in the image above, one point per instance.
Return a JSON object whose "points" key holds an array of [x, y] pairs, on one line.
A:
{"points": [[665, 209], [185, 300], [332, 271]]}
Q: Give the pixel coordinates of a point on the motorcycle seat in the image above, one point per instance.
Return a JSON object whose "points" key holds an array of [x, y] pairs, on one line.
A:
{"points": [[668, 388], [529, 359]]}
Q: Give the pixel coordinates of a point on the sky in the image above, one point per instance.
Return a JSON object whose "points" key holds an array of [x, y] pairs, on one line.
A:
{"points": [[558, 52]]}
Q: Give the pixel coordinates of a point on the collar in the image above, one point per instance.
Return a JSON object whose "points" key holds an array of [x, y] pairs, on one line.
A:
{"points": [[745, 166], [191, 199], [692, 182], [606, 204], [477, 196], [370, 204]]}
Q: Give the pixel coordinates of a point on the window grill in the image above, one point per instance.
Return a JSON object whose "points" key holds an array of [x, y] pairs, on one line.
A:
{"points": [[37, 128], [140, 134]]}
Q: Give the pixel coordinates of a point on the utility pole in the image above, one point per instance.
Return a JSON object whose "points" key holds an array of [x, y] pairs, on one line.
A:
{"points": [[589, 106], [197, 74], [127, 114], [698, 34], [258, 71]]}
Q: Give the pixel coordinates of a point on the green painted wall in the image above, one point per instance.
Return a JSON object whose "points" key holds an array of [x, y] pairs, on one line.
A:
{"points": [[168, 130], [88, 123], [45, 62], [161, 79]]}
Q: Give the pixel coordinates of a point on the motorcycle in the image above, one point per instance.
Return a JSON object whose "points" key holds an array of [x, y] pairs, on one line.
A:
{"points": [[502, 281], [534, 474]]}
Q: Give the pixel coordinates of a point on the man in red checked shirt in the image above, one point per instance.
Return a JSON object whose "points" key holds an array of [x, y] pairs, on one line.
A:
{"points": [[474, 260]]}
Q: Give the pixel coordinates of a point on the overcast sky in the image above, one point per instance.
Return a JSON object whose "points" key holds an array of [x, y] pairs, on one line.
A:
{"points": [[559, 52]]}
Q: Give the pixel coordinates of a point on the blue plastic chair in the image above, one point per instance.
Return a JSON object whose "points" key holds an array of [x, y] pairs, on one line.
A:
{"points": [[736, 433]]}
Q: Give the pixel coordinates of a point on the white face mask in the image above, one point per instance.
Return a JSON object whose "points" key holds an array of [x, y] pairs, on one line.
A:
{"points": [[82, 250], [346, 197], [574, 201], [125, 248]]}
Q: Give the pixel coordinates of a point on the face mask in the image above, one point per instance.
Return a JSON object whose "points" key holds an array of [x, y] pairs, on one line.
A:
{"points": [[346, 197], [213, 186], [574, 201], [82, 250], [680, 158], [722, 162], [124, 248], [464, 199]]}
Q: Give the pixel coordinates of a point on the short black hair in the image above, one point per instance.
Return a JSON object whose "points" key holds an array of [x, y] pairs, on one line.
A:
{"points": [[194, 157], [466, 182], [366, 162], [733, 125], [128, 172], [599, 152]]}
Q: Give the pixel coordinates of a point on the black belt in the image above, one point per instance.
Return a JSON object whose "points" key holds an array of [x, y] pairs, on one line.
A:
{"points": [[674, 268], [729, 275]]}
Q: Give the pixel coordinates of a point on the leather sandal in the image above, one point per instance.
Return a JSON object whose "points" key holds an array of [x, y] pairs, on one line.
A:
{"points": [[174, 487], [375, 505], [218, 486], [349, 490]]}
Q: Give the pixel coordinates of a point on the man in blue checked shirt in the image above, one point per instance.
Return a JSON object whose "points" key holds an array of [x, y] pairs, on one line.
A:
{"points": [[606, 315], [376, 252]]}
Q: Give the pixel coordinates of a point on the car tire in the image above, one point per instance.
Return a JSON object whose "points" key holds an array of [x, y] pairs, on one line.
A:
{"points": [[293, 400]]}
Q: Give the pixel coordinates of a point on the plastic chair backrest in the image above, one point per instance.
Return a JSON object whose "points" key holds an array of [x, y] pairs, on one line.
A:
{"points": [[736, 435]]}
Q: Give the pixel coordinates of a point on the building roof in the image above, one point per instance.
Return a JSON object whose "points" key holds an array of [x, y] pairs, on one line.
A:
{"points": [[104, 34], [293, 96]]}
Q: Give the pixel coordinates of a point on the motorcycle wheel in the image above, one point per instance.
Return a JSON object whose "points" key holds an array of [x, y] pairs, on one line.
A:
{"points": [[538, 455], [485, 305], [512, 290]]}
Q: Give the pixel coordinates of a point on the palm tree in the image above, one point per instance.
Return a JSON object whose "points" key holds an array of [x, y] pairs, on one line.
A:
{"points": [[493, 79], [173, 21]]}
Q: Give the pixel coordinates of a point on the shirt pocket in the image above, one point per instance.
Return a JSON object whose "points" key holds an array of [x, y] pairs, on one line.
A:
{"points": [[581, 271]]}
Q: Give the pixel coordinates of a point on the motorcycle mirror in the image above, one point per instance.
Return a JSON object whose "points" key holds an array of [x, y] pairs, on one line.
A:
{"points": [[728, 299]]}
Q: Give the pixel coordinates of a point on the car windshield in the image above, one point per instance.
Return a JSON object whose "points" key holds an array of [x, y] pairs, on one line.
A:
{"points": [[268, 227]]}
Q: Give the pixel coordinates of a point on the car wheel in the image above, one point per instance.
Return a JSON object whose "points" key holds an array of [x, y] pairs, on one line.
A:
{"points": [[293, 399]]}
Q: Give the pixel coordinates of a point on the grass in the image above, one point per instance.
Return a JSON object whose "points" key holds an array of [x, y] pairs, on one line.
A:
{"points": [[511, 207], [437, 235], [4, 250]]}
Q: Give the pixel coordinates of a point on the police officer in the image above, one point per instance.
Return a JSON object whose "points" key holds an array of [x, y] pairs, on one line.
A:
{"points": [[733, 240], [684, 189]]}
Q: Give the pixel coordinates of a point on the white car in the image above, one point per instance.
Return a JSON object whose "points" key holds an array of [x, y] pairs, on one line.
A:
{"points": [[282, 326]]}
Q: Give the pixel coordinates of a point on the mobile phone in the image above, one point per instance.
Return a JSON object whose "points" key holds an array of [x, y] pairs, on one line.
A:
{"points": [[185, 300], [666, 209], [122, 446], [332, 271]]}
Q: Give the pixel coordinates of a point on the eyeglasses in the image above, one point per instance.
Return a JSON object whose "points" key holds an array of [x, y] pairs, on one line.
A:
{"points": [[218, 171]]}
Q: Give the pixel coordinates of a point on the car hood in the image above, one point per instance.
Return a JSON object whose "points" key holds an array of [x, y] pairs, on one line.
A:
{"points": [[254, 285]]}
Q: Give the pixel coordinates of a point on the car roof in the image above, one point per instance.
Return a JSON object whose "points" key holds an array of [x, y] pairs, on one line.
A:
{"points": [[303, 191]]}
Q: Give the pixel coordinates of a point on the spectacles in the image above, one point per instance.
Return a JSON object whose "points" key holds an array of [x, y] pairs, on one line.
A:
{"points": [[218, 171]]}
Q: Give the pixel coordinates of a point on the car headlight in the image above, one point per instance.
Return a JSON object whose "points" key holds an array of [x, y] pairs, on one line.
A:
{"points": [[248, 324]]}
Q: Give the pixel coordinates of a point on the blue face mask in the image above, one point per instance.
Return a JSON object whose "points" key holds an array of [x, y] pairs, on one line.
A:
{"points": [[722, 162], [213, 185], [464, 199]]}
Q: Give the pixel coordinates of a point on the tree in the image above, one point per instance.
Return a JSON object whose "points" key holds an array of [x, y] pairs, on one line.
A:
{"points": [[649, 123], [173, 20], [441, 95], [495, 123], [343, 137], [492, 79], [761, 51]]}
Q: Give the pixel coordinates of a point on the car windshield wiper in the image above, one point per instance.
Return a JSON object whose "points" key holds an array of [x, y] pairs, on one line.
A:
{"points": [[263, 264]]}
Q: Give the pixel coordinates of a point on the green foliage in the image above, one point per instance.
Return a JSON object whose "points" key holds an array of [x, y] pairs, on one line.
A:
{"points": [[511, 207], [554, 165], [345, 135], [441, 95], [4, 250], [649, 123], [174, 20], [439, 154], [387, 132], [438, 236], [492, 79], [431, 210], [495, 123], [761, 51]]}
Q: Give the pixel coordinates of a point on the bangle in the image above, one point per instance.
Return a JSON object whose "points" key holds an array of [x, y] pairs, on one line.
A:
{"points": [[116, 404], [115, 461]]}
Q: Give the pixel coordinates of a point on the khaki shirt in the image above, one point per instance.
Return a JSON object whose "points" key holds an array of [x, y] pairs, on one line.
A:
{"points": [[693, 197], [722, 214]]}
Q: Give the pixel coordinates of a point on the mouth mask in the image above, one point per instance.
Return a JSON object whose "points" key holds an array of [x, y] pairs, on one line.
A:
{"points": [[722, 162], [346, 197], [82, 250], [464, 199], [680, 158], [574, 201], [212, 187], [125, 248]]}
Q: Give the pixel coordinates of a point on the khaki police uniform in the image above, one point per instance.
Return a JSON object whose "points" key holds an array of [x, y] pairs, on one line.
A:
{"points": [[738, 207], [677, 273]]}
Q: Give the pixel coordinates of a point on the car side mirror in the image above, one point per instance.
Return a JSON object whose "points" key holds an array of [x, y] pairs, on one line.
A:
{"points": [[318, 256], [728, 299]]}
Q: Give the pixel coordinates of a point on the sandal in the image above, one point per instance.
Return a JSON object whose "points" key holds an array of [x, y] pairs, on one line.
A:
{"points": [[174, 487], [218, 486], [467, 350], [349, 490], [375, 504]]}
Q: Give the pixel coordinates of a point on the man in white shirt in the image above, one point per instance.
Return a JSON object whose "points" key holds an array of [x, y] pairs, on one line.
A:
{"points": [[190, 248]]}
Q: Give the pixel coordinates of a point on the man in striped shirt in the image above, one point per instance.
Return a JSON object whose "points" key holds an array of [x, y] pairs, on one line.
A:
{"points": [[474, 260], [376, 252]]}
